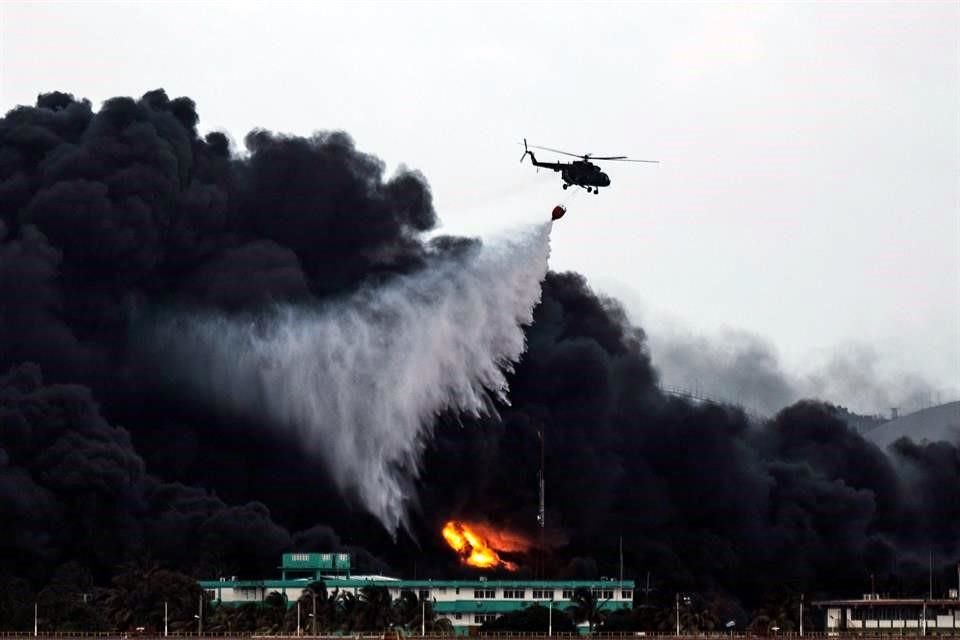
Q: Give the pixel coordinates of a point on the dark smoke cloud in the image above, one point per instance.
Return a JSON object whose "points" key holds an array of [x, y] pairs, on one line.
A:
{"points": [[108, 209], [73, 488], [107, 214], [703, 499]]}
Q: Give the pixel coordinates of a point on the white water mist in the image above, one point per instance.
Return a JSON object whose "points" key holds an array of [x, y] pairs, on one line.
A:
{"points": [[362, 380]]}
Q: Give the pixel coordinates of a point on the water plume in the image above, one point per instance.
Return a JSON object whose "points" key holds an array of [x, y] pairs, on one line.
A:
{"points": [[361, 379]]}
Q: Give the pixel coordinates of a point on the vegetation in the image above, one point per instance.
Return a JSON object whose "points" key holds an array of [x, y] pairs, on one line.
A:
{"points": [[533, 619], [71, 601], [586, 608]]}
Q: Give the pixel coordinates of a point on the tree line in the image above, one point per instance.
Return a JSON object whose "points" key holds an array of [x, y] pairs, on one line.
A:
{"points": [[140, 595]]}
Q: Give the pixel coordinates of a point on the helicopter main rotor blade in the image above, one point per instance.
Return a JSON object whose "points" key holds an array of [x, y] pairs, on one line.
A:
{"points": [[566, 153], [589, 156], [625, 159]]}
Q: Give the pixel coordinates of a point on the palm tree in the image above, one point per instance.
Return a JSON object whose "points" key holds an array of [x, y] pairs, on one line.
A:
{"points": [[320, 606], [376, 611], [245, 619], [699, 619], [125, 599], [696, 616], [779, 610], [406, 610], [138, 592], [222, 620], [443, 626], [348, 611], [68, 601], [273, 613], [760, 625], [586, 608]]}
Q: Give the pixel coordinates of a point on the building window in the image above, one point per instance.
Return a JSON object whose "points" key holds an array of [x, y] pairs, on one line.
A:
{"points": [[458, 591], [484, 593], [424, 594], [626, 595], [543, 594], [518, 594], [568, 594], [456, 616], [480, 618]]}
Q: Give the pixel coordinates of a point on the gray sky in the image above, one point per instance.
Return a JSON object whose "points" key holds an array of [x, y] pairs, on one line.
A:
{"points": [[808, 192]]}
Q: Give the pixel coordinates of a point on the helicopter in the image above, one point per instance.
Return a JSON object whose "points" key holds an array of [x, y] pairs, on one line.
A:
{"points": [[580, 173]]}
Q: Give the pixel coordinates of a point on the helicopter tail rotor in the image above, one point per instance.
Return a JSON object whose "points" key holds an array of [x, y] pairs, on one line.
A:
{"points": [[526, 151]]}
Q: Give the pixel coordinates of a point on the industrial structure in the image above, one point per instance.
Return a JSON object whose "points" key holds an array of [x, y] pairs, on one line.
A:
{"points": [[874, 612], [466, 604]]}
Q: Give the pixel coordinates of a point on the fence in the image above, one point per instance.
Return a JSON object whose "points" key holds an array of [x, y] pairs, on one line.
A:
{"points": [[631, 635]]}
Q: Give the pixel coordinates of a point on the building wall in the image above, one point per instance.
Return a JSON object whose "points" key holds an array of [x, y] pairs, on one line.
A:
{"points": [[900, 616], [465, 603]]}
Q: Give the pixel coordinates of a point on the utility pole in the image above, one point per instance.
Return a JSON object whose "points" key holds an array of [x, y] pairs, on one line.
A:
{"points": [[298, 616], [423, 616], [621, 563], [550, 617], [678, 614], [541, 512], [35, 620], [165, 618], [801, 615], [314, 626], [200, 617]]}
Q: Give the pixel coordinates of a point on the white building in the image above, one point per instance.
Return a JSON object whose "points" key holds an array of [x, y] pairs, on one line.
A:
{"points": [[465, 603], [919, 615]]}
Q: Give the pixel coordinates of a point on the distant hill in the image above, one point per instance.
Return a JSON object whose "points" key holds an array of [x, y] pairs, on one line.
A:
{"points": [[936, 423]]}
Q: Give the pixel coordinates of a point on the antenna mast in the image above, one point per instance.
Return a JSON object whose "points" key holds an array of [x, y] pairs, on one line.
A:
{"points": [[621, 562], [541, 512]]}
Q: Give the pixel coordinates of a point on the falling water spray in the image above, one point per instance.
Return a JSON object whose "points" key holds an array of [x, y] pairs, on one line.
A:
{"points": [[361, 380]]}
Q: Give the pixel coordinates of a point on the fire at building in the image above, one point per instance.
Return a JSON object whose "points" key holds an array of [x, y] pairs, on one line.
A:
{"points": [[480, 545]]}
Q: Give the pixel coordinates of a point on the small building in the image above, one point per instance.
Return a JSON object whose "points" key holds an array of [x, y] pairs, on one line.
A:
{"points": [[465, 603], [873, 611]]}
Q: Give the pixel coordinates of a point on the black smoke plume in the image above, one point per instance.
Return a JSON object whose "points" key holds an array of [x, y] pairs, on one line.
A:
{"points": [[107, 213]]}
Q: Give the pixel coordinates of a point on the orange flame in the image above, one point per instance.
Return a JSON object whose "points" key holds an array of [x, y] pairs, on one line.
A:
{"points": [[477, 544]]}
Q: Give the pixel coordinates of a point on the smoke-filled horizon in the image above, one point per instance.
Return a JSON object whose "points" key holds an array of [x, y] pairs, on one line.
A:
{"points": [[361, 380], [745, 369], [108, 217]]}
